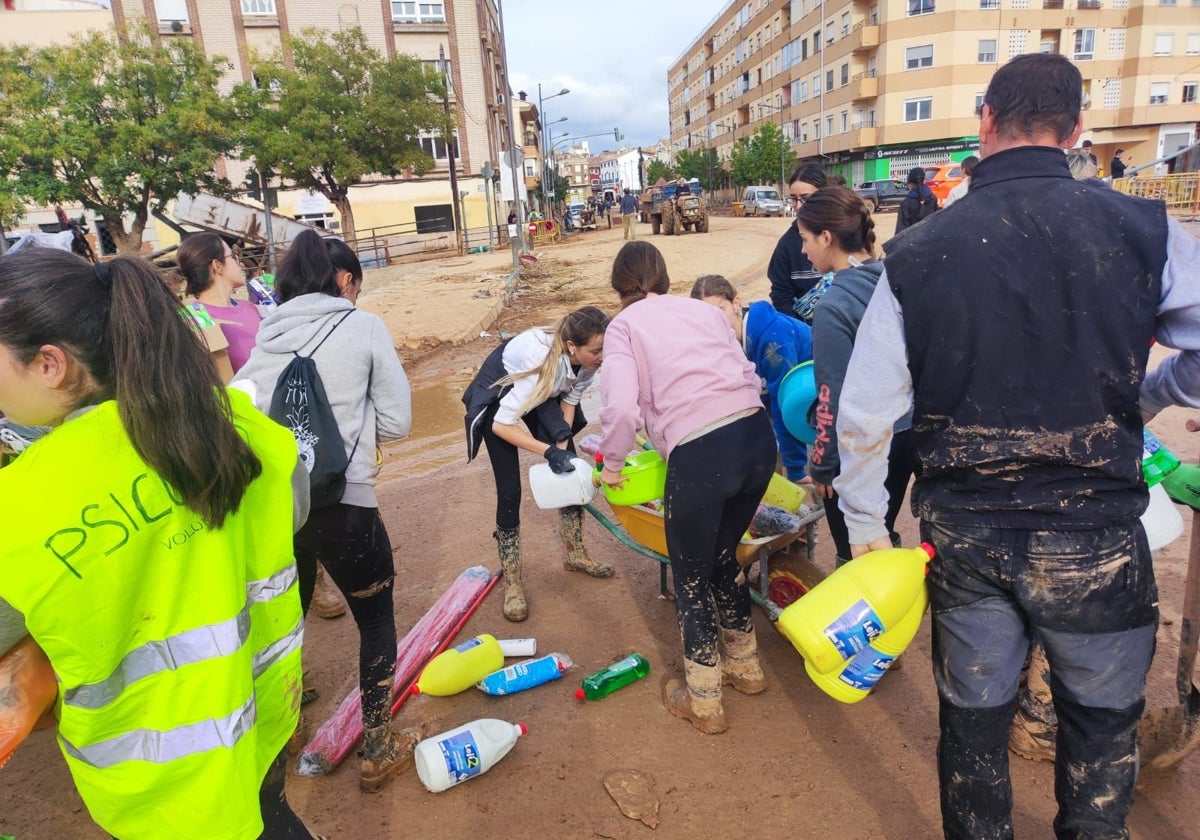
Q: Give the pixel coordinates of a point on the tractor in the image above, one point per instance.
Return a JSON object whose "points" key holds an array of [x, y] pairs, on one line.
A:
{"points": [[675, 207]]}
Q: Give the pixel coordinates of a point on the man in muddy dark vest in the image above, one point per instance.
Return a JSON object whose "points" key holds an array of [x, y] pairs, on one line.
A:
{"points": [[1017, 325]]}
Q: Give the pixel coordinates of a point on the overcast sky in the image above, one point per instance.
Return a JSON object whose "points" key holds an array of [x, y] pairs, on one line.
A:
{"points": [[613, 56]]}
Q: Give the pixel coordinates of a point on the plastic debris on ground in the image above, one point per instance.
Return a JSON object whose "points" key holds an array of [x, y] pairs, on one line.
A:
{"points": [[338, 735]]}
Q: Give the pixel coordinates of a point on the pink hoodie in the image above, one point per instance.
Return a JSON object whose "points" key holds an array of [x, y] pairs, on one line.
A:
{"points": [[672, 365]]}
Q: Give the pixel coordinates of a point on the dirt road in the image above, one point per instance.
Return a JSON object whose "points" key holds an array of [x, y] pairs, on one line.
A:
{"points": [[794, 763]]}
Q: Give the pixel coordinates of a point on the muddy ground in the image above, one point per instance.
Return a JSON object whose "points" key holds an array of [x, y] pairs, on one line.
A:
{"points": [[794, 763]]}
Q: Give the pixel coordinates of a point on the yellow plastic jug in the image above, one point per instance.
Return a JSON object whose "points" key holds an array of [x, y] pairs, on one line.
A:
{"points": [[783, 494], [459, 668], [855, 605], [858, 677]]}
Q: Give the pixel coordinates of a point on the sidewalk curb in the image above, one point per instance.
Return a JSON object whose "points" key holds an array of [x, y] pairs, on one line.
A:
{"points": [[509, 287]]}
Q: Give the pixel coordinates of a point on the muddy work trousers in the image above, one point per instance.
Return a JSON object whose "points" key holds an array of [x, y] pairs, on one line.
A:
{"points": [[1090, 597], [714, 484], [353, 545]]}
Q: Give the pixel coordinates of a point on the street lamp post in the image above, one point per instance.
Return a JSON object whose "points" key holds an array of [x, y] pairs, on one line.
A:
{"points": [[544, 141]]}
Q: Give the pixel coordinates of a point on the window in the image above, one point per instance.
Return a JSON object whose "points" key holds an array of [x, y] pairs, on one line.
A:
{"points": [[816, 39], [1158, 93], [817, 85], [1189, 92], [258, 7], [790, 53], [816, 129], [987, 50], [845, 121], [917, 57], [920, 7], [803, 48], [1193, 43], [171, 10], [828, 126], [918, 110], [1085, 44], [1163, 44], [828, 80], [435, 147], [845, 24], [989, 4], [405, 11], [978, 103], [846, 74]]}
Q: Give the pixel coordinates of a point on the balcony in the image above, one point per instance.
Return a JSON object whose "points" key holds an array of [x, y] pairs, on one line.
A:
{"points": [[863, 134], [864, 86], [864, 36]]}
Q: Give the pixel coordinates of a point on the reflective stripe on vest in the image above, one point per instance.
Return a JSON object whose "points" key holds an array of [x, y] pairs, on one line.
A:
{"points": [[160, 747], [190, 647]]}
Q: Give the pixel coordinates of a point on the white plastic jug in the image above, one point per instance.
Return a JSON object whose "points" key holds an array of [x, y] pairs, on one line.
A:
{"points": [[455, 756], [552, 490], [1161, 520]]}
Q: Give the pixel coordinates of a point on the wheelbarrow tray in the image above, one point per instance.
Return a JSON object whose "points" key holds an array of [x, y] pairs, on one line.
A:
{"points": [[648, 527]]}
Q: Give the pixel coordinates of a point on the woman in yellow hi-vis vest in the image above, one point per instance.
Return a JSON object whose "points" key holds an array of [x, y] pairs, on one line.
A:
{"points": [[147, 546]]}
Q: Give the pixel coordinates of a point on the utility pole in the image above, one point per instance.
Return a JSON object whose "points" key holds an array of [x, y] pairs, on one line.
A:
{"points": [[514, 159], [268, 226], [448, 136]]}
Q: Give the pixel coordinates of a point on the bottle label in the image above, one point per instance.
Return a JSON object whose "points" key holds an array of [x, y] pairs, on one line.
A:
{"points": [[854, 629], [461, 756], [626, 664], [467, 645], [865, 669]]}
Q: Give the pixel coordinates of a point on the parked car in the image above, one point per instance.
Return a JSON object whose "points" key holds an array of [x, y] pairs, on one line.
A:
{"points": [[883, 194], [942, 179], [762, 201]]}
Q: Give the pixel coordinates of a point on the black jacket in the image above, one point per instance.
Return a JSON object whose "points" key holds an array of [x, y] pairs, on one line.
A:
{"points": [[1029, 306], [790, 272], [917, 205]]}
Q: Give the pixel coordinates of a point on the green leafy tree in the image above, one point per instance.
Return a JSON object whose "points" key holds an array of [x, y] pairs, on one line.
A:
{"points": [[761, 158], [340, 112], [656, 169], [117, 122], [702, 164]]}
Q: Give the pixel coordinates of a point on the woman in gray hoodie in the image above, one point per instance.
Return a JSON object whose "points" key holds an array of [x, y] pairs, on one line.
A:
{"points": [[839, 235], [318, 283]]}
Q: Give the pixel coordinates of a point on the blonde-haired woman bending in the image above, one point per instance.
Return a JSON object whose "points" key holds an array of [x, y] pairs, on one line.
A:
{"points": [[536, 378]]}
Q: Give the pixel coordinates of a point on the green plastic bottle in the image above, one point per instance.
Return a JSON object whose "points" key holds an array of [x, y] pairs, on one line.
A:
{"points": [[616, 676], [1158, 462], [1183, 485]]}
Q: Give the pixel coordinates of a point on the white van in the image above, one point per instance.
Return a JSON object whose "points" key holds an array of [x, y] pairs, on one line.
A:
{"points": [[762, 201]]}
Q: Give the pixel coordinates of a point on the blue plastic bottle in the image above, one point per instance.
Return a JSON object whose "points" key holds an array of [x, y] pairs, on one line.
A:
{"points": [[525, 675]]}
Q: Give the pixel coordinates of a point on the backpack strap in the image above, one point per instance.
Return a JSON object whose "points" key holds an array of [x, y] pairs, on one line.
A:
{"points": [[326, 338]]}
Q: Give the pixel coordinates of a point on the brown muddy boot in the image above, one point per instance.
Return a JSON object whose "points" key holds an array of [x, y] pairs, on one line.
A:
{"points": [[385, 753], [516, 608], [739, 662], [570, 527], [327, 602], [1034, 732], [699, 700]]}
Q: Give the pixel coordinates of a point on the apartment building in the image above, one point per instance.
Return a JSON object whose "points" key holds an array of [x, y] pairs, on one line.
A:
{"points": [[874, 87]]}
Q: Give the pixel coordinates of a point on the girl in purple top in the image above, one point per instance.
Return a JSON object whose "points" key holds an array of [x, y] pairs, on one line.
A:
{"points": [[673, 366], [211, 273]]}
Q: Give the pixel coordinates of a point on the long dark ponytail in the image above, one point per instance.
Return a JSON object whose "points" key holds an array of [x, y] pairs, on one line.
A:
{"points": [[119, 321]]}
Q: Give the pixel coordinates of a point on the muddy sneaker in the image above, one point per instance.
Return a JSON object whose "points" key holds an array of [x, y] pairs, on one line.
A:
{"points": [[1032, 739], [394, 755]]}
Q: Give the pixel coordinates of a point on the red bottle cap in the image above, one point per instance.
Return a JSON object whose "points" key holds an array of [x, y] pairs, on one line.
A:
{"points": [[522, 727], [415, 690], [579, 695], [929, 550]]}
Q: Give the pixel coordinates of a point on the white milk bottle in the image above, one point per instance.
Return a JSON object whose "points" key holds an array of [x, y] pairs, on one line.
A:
{"points": [[452, 757]]}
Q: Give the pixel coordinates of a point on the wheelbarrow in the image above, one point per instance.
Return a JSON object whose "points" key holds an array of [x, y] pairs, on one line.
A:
{"points": [[642, 529]]}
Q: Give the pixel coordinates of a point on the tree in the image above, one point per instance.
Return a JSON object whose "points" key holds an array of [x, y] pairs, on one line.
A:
{"points": [[701, 164], [656, 169], [340, 112], [761, 158], [117, 122]]}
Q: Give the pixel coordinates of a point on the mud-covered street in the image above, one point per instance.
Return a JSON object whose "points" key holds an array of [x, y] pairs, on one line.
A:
{"points": [[794, 763]]}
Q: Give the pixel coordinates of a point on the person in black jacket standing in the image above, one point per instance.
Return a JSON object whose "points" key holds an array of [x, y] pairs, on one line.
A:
{"points": [[920, 203], [1017, 326], [792, 276]]}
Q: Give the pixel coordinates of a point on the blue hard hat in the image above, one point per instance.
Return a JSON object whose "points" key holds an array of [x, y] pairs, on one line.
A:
{"points": [[796, 394]]}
